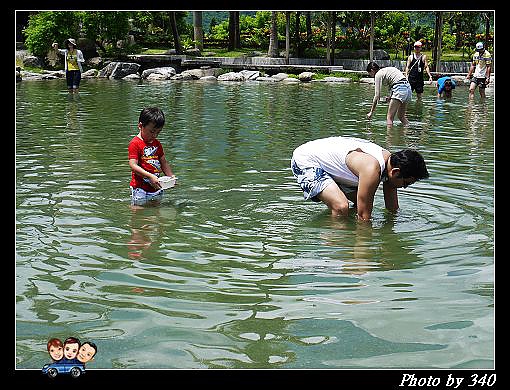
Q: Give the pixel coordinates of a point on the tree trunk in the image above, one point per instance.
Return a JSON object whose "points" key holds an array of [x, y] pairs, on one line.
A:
{"points": [[371, 49], [198, 32], [333, 37], [287, 36], [233, 31], [328, 37], [308, 15], [438, 37], [273, 38], [175, 33], [297, 37], [487, 29]]}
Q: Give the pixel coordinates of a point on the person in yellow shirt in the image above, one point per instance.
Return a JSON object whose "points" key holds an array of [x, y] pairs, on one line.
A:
{"points": [[480, 70], [73, 58]]}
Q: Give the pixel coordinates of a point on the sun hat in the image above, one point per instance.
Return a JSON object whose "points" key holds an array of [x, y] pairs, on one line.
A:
{"points": [[417, 43], [479, 46], [71, 41]]}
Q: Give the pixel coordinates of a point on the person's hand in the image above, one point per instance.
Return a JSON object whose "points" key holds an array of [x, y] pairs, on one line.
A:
{"points": [[155, 181], [487, 80], [369, 115]]}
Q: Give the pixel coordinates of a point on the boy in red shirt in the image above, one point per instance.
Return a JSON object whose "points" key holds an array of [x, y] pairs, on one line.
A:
{"points": [[147, 159]]}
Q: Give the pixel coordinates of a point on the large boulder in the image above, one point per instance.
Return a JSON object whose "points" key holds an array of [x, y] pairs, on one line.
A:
{"points": [[118, 70], [162, 73], [231, 76]]}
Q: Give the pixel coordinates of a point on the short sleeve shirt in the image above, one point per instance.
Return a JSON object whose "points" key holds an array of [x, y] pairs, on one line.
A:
{"points": [[481, 61], [149, 158]]}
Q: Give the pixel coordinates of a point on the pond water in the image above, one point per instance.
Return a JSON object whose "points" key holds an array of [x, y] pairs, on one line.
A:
{"points": [[234, 269]]}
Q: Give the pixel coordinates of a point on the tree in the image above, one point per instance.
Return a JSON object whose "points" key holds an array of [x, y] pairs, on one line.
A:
{"points": [[105, 28], [47, 27], [175, 33], [273, 37], [234, 33], [198, 32]]}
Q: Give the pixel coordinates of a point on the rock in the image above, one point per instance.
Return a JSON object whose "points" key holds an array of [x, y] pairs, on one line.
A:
{"points": [[268, 79], [280, 76], [156, 77], [290, 80], [94, 62], [91, 73], [195, 73], [183, 77], [305, 76], [231, 76], [118, 70], [250, 74], [166, 71], [208, 78], [193, 52], [132, 76], [331, 79], [33, 62]]}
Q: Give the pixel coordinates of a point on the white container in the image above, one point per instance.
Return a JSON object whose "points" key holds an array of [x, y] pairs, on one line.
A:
{"points": [[167, 182]]}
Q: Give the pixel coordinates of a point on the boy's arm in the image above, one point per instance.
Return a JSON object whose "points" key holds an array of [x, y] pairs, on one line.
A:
{"points": [[165, 166], [390, 195], [368, 183], [133, 164]]}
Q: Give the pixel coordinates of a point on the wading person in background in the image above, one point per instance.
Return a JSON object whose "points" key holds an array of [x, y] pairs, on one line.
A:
{"points": [[336, 170], [73, 58], [480, 70], [400, 92], [416, 64], [445, 85]]}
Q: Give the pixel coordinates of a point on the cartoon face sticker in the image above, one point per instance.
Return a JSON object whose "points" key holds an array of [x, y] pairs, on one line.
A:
{"points": [[71, 347], [86, 352], [55, 349]]}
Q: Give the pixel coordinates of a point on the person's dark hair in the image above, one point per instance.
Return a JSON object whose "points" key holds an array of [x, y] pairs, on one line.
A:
{"points": [[93, 345], [372, 66], [411, 164], [152, 114]]}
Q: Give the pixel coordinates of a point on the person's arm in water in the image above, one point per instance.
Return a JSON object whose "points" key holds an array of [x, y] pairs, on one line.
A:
{"points": [[377, 94], [133, 164], [366, 167]]}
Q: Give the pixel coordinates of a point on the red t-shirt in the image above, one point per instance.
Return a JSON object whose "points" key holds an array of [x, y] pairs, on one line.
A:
{"points": [[148, 156]]}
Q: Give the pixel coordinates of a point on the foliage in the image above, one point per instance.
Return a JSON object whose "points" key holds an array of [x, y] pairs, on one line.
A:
{"points": [[393, 30], [44, 28]]}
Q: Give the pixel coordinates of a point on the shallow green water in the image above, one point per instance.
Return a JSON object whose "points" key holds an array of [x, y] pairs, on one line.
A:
{"points": [[234, 269]]}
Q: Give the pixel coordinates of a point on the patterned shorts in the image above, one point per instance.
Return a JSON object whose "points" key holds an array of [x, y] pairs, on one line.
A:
{"points": [[139, 197], [312, 180]]}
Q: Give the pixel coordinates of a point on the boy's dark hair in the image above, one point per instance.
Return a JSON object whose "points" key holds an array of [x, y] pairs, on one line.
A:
{"points": [[152, 114], [411, 164], [93, 345], [372, 66]]}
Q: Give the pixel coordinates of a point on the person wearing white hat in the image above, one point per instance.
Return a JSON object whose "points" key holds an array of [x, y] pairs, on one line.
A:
{"points": [[416, 64], [73, 58], [480, 70]]}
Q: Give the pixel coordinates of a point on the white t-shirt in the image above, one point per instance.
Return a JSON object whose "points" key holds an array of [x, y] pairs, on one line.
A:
{"points": [[481, 62], [330, 153]]}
